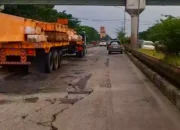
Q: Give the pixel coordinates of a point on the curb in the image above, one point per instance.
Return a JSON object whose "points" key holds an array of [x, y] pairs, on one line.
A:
{"points": [[169, 90]]}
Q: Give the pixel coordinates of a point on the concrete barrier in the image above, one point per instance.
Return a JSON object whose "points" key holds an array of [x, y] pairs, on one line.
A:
{"points": [[169, 90], [170, 72]]}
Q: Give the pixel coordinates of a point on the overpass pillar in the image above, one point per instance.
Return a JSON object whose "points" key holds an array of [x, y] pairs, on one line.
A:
{"points": [[134, 9]]}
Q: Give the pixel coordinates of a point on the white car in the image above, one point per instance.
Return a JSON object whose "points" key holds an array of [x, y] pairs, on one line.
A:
{"points": [[102, 43], [148, 45]]}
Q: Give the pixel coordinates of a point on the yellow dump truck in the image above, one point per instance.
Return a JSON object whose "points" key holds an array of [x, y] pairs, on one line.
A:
{"points": [[23, 40]]}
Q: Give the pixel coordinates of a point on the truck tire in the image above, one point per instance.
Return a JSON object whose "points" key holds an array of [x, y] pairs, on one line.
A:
{"points": [[55, 60], [59, 58], [49, 62]]}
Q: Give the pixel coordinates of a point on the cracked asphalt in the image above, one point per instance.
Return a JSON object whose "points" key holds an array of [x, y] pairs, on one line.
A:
{"points": [[98, 92]]}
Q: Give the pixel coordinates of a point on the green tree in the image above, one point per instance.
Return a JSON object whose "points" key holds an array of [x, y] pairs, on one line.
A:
{"points": [[167, 32], [121, 35], [45, 13], [92, 33], [73, 22]]}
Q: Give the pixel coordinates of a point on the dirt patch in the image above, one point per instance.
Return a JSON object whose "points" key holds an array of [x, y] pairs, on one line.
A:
{"points": [[31, 99], [15, 76], [71, 65], [106, 83], [69, 101], [107, 62], [24, 116], [77, 59], [77, 72], [52, 101], [35, 77], [4, 102], [67, 76]]}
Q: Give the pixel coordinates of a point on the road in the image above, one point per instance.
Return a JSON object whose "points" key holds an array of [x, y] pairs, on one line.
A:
{"points": [[122, 98]]}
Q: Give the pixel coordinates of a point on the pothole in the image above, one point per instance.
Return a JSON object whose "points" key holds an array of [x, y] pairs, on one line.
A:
{"points": [[31, 99], [24, 116], [73, 90], [83, 81], [69, 100]]}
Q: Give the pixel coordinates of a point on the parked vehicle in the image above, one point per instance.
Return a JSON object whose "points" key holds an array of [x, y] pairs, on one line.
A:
{"points": [[115, 46], [149, 45], [94, 43], [30, 40], [103, 43]]}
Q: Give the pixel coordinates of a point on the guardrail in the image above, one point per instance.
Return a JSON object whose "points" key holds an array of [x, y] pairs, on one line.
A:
{"points": [[170, 72]]}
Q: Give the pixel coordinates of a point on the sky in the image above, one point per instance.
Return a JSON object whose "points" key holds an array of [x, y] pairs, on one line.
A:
{"points": [[112, 17]]}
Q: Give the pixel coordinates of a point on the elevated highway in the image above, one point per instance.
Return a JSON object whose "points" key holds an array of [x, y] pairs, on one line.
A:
{"points": [[89, 2]]}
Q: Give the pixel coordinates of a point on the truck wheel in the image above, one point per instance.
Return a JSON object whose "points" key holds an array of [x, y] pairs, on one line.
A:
{"points": [[55, 60], [49, 62], [59, 58]]}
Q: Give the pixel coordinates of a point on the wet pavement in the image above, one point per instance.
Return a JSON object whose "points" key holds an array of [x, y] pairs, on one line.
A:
{"points": [[97, 92]]}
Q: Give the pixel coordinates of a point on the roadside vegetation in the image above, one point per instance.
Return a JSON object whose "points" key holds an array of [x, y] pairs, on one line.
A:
{"points": [[121, 35], [169, 59], [47, 13], [166, 37]]}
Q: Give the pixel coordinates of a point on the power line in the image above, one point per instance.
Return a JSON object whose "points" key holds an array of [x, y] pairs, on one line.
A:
{"points": [[113, 20], [100, 19]]}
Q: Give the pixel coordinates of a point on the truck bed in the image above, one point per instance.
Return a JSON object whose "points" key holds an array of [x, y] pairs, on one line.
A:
{"points": [[23, 39]]}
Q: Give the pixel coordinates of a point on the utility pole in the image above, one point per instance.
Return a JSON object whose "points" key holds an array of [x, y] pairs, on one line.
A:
{"points": [[124, 21]]}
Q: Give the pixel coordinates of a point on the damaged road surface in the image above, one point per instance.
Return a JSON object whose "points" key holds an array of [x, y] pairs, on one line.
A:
{"points": [[97, 92]]}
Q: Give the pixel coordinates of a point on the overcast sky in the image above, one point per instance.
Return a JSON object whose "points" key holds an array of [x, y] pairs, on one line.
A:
{"points": [[113, 16]]}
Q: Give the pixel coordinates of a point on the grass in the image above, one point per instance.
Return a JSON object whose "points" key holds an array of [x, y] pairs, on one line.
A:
{"points": [[173, 60], [153, 53]]}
